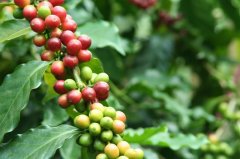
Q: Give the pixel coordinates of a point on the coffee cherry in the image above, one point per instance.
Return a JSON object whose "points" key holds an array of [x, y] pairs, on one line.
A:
{"points": [[43, 12], [85, 140], [54, 44], [99, 145], [84, 55], [39, 40], [122, 157], [131, 153], [139, 153], [37, 25], [73, 47], [62, 101], [57, 68], [56, 33], [69, 25], [118, 126], [89, 94], [67, 36], [123, 146], [97, 106], [94, 75], [47, 55], [70, 61], [59, 87], [18, 13], [22, 3], [86, 41], [82, 121], [60, 12], [101, 77], [102, 90], [86, 73], [94, 129], [56, 2], [46, 4], [106, 123], [121, 116], [111, 150], [116, 139], [101, 156], [52, 21], [110, 112], [29, 12], [95, 115], [106, 135], [74, 96], [70, 84]]}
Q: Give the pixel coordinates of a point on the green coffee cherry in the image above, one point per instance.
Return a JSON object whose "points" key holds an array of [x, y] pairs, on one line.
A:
{"points": [[106, 135], [123, 146], [44, 11], [95, 115], [70, 84], [101, 156], [122, 157], [106, 123], [110, 112], [101, 77], [99, 145], [85, 140], [94, 75], [111, 150], [139, 153], [116, 139], [94, 129], [82, 121], [18, 13], [86, 73], [131, 153]]}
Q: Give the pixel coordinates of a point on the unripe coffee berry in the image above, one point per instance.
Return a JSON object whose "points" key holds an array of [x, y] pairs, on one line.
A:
{"points": [[62, 101], [86, 41], [86, 73], [99, 145], [22, 3], [110, 112], [82, 121], [122, 157], [70, 84], [123, 146], [89, 94], [101, 77], [47, 55], [18, 13], [121, 116], [131, 153], [29, 12], [139, 153], [111, 150], [84, 55], [43, 12], [52, 21], [39, 40], [94, 129], [106, 122], [60, 12], [73, 47], [70, 61], [74, 96], [106, 135], [56, 2], [102, 156], [85, 140], [54, 44], [118, 126], [102, 90], [59, 87], [57, 68], [94, 75], [116, 139], [37, 25], [67, 36], [97, 106], [95, 115]]}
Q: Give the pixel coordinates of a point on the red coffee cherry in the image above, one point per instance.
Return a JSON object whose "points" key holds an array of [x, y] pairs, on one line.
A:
{"points": [[82, 121], [118, 126], [59, 87], [54, 44], [102, 90], [47, 55], [45, 3], [73, 47], [74, 96], [70, 61], [39, 40], [57, 68], [56, 33], [121, 116], [89, 94], [29, 12], [69, 25], [37, 25], [84, 55], [22, 3], [60, 12], [62, 101], [67, 36], [111, 150], [123, 146], [86, 41], [56, 2], [52, 21]]}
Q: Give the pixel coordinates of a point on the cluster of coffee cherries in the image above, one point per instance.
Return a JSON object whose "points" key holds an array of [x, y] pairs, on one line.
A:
{"points": [[144, 4], [78, 86]]}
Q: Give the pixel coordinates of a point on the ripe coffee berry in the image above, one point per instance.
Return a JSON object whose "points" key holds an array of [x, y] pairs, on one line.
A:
{"points": [[52, 21], [54, 44], [44, 3], [39, 40], [123, 146], [106, 122], [62, 101], [118, 126], [74, 96], [86, 41], [56, 33], [70, 84], [73, 47], [99, 145], [95, 115], [111, 150], [44, 11], [94, 129], [37, 25], [85, 140], [110, 112], [67, 36], [47, 55], [69, 25], [56, 2], [60, 12], [57, 68], [29, 12], [106, 135], [70, 61], [84, 55], [89, 94], [82, 121], [102, 90], [59, 87], [86, 73], [121, 116], [22, 3]]}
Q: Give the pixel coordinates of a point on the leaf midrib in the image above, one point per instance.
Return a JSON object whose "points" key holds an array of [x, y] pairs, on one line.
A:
{"points": [[11, 35]]}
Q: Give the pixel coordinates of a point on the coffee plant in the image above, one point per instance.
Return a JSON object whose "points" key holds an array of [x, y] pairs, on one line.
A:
{"points": [[129, 79]]}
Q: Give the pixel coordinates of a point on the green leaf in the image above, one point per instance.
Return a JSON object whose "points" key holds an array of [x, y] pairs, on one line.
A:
{"points": [[54, 114], [103, 34], [95, 64], [15, 91], [12, 29], [40, 143], [159, 136], [70, 150]]}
